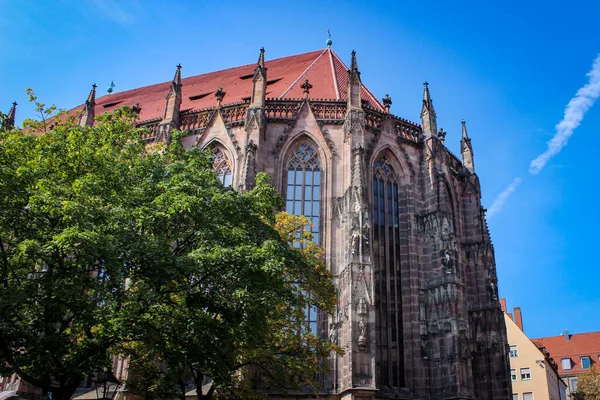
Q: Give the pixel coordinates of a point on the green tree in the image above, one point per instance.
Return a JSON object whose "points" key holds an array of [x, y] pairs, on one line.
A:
{"points": [[232, 308], [67, 214], [588, 385], [112, 246]]}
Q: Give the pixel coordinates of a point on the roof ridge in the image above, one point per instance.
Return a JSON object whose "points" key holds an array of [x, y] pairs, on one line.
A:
{"points": [[335, 79], [302, 74], [367, 91]]}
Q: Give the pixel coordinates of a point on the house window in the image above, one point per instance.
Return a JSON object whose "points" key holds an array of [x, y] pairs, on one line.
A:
{"points": [[525, 375], [585, 362], [387, 273], [514, 351], [513, 375], [566, 364], [528, 396], [515, 395], [574, 385], [222, 166], [303, 197]]}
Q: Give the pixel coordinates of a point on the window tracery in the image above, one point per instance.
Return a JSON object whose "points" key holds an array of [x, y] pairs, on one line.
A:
{"points": [[222, 166]]}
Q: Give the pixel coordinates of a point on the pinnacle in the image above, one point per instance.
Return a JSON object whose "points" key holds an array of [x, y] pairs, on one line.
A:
{"points": [[261, 57], [177, 77], [464, 129], [353, 63], [10, 120], [427, 101], [92, 96]]}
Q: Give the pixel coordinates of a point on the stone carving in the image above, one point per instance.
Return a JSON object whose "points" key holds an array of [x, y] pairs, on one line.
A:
{"points": [[329, 141], [447, 260], [333, 333], [281, 140], [354, 123], [433, 326], [447, 322], [359, 241], [361, 307], [362, 334], [423, 327], [464, 345], [493, 288]]}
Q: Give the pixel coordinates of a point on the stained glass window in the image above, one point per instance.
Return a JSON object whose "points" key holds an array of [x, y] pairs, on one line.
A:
{"points": [[388, 290], [222, 166], [303, 197]]}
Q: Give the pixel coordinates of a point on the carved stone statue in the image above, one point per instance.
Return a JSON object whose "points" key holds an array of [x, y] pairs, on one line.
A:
{"points": [[333, 333], [493, 289], [362, 334], [447, 260]]}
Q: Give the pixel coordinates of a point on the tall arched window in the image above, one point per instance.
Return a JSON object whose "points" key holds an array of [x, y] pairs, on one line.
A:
{"points": [[388, 292], [222, 166], [303, 197]]}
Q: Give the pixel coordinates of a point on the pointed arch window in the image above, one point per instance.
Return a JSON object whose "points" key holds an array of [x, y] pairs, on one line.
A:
{"points": [[222, 166], [303, 197], [388, 289]]}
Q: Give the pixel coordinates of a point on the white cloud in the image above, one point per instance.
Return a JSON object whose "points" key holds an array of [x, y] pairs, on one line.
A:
{"points": [[502, 197], [583, 100], [113, 11]]}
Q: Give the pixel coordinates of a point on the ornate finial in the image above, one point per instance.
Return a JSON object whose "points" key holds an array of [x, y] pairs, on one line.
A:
{"points": [[306, 86], [219, 94], [177, 78], [387, 102], [329, 42], [261, 57], [92, 97], [353, 63], [110, 87], [464, 129], [442, 135]]}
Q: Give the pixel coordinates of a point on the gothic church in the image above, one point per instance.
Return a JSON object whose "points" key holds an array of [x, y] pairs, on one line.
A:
{"points": [[399, 215]]}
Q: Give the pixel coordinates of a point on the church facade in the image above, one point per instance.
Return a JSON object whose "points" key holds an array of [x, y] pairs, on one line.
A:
{"points": [[398, 214]]}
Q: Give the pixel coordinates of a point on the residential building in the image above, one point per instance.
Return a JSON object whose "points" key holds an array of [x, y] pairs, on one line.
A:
{"points": [[574, 354], [534, 374], [398, 214]]}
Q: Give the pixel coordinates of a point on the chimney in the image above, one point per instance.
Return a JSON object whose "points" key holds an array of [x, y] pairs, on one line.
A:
{"points": [[503, 304], [518, 318], [567, 336]]}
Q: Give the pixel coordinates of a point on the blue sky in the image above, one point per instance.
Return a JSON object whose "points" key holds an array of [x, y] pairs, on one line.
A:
{"points": [[509, 69]]}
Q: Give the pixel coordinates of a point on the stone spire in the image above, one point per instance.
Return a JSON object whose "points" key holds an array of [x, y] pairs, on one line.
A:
{"points": [[170, 119], [466, 150], [259, 82], [89, 110], [354, 84], [428, 116], [9, 123]]}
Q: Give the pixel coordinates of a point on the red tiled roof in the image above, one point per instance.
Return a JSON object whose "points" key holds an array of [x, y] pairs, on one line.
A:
{"points": [[323, 68], [578, 345]]}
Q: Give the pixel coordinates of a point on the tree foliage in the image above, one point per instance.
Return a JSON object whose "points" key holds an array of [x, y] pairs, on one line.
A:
{"points": [[588, 384], [112, 246]]}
